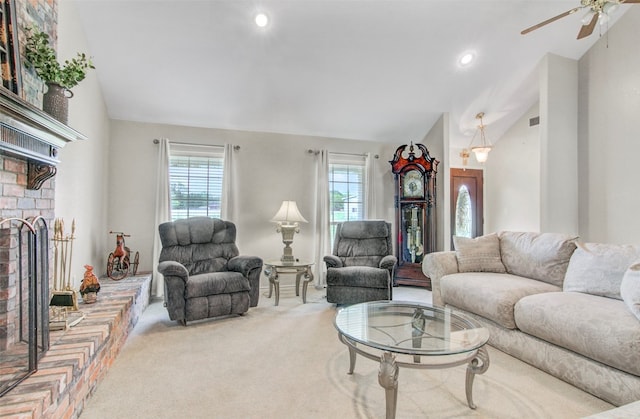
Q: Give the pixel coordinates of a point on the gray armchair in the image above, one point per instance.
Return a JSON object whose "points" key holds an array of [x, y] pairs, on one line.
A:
{"points": [[361, 267], [204, 276]]}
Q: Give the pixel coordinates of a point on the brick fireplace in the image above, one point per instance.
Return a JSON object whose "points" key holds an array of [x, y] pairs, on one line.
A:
{"points": [[29, 144]]}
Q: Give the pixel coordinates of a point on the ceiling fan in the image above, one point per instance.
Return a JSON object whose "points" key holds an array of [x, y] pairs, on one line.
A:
{"points": [[598, 10]]}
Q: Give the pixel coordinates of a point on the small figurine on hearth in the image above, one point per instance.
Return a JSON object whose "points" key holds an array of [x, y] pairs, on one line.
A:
{"points": [[90, 286]]}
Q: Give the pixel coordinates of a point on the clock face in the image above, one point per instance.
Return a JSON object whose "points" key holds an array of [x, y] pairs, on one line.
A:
{"points": [[413, 185]]}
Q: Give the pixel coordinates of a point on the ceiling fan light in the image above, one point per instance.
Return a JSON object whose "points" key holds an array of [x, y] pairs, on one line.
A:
{"points": [[586, 19], [603, 19], [610, 7]]}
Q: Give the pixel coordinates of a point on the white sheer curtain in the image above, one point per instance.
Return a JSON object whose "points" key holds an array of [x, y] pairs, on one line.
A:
{"points": [[163, 211], [370, 188], [227, 212], [323, 240]]}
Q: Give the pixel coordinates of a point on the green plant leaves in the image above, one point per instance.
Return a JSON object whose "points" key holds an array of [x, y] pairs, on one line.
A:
{"points": [[42, 58]]}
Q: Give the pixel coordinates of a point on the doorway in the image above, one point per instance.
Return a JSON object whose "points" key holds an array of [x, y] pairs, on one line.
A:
{"points": [[466, 203]]}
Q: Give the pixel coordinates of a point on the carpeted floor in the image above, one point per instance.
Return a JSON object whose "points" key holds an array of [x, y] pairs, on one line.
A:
{"points": [[286, 362]]}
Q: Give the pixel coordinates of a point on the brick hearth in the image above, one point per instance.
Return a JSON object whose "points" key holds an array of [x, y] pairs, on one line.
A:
{"points": [[79, 358]]}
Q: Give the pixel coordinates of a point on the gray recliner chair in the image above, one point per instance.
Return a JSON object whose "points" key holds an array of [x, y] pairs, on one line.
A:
{"points": [[361, 267], [204, 276]]}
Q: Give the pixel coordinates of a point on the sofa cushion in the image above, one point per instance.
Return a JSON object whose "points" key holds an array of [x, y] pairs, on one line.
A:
{"points": [[598, 268], [203, 285], [490, 295], [630, 289], [541, 256], [481, 254], [358, 276], [597, 327]]}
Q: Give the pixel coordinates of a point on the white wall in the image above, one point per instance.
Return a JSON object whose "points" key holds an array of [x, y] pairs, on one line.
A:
{"points": [[559, 145], [512, 179], [270, 168], [107, 183], [436, 142], [81, 180], [609, 143]]}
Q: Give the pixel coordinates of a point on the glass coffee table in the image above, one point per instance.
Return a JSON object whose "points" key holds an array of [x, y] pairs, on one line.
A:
{"points": [[412, 335]]}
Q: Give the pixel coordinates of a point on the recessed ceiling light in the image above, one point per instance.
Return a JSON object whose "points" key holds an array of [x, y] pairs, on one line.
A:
{"points": [[262, 20], [466, 59]]}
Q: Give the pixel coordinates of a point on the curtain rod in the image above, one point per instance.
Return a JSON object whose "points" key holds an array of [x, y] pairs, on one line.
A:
{"points": [[316, 152], [157, 141]]}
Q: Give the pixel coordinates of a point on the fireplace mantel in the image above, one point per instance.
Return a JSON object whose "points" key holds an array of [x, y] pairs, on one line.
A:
{"points": [[30, 133]]}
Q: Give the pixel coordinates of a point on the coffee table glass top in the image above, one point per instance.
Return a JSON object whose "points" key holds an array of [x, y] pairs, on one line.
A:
{"points": [[410, 328]]}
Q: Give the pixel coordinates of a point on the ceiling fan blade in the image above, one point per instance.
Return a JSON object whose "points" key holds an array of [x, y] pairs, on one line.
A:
{"points": [[587, 30], [550, 20]]}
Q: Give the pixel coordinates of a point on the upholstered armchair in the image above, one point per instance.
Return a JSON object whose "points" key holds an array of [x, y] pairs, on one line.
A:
{"points": [[361, 266], [204, 276]]}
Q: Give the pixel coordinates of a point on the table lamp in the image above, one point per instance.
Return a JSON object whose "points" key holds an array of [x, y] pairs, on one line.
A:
{"points": [[288, 217]]}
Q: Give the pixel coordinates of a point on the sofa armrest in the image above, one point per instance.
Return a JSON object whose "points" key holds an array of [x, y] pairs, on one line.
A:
{"points": [[173, 268], [333, 261], [388, 262], [244, 264], [176, 277], [250, 267], [436, 265]]}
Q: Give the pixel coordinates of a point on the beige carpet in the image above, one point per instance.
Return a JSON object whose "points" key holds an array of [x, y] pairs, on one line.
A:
{"points": [[286, 362]]}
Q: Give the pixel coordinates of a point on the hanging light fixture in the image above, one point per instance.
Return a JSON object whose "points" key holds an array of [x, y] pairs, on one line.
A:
{"points": [[481, 151]]}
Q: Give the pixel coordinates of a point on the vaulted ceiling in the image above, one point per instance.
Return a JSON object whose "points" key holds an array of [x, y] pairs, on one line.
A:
{"points": [[356, 69]]}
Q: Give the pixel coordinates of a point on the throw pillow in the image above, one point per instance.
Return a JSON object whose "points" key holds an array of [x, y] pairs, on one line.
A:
{"points": [[541, 256], [598, 268], [630, 289], [481, 254]]}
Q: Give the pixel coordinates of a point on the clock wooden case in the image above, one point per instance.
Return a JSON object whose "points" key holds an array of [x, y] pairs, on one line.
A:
{"points": [[415, 206]]}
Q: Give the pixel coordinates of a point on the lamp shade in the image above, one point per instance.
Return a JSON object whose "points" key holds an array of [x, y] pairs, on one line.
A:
{"points": [[288, 213], [482, 153]]}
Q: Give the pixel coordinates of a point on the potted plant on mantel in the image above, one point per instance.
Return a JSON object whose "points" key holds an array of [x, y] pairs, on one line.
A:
{"points": [[41, 56]]}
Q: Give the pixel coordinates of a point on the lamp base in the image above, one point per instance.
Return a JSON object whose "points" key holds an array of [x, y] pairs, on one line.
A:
{"points": [[288, 232]]}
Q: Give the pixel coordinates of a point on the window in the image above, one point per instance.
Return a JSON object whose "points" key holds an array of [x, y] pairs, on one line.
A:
{"points": [[346, 189], [463, 213], [195, 180]]}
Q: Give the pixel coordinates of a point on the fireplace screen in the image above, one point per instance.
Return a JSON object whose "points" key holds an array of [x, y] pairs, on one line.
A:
{"points": [[24, 298]]}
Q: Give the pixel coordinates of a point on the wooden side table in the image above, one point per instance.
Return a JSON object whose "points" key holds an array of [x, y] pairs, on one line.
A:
{"points": [[273, 269]]}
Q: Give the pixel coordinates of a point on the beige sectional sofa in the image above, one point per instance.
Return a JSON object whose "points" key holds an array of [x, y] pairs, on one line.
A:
{"points": [[569, 308]]}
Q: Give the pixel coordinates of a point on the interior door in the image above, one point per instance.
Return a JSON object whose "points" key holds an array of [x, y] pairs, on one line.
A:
{"points": [[466, 203]]}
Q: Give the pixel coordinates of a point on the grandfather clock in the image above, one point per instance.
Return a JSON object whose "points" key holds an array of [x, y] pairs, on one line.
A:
{"points": [[415, 202]]}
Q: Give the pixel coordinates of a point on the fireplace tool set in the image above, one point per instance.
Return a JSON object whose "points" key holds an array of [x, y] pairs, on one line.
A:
{"points": [[64, 298]]}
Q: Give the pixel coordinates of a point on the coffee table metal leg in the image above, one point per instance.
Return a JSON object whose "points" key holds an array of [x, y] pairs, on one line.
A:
{"points": [[275, 283], [352, 360], [388, 379], [417, 331], [478, 365], [267, 272], [308, 277], [299, 274]]}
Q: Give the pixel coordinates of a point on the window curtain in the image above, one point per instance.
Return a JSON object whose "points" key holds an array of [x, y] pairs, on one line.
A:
{"points": [[163, 211], [369, 188], [227, 212], [321, 217]]}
